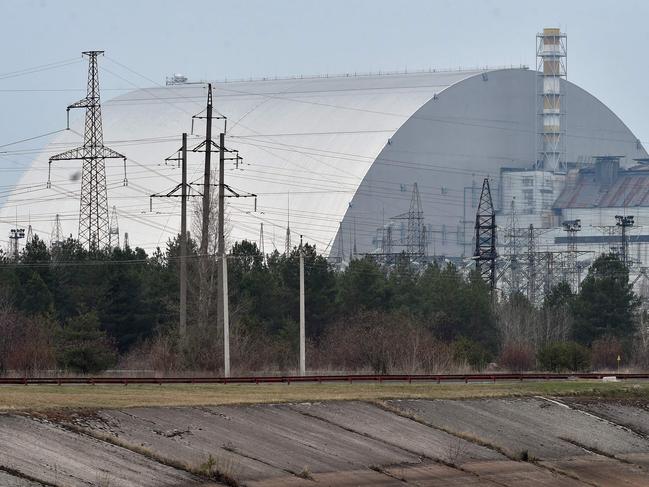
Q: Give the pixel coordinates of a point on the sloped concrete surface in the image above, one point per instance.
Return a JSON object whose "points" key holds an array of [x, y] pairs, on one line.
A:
{"points": [[546, 429], [252, 442], [402, 442], [386, 426], [52, 454], [633, 414], [8, 480]]}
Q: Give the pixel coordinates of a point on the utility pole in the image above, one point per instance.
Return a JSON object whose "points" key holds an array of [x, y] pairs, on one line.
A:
{"points": [[302, 314], [93, 213], [182, 327], [181, 156], [207, 176], [222, 270], [226, 319]]}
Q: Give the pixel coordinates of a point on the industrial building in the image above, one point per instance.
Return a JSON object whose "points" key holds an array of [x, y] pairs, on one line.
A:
{"points": [[376, 163]]}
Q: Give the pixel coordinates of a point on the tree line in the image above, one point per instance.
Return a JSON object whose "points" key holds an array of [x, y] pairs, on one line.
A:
{"points": [[63, 307]]}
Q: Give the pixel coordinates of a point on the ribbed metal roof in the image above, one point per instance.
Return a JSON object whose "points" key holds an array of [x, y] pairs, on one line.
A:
{"points": [[319, 151], [630, 189], [306, 144]]}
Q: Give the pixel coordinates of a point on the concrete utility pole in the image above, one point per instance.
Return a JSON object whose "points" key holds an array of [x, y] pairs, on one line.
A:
{"points": [[222, 285], [181, 156], [226, 320], [182, 329], [302, 314]]}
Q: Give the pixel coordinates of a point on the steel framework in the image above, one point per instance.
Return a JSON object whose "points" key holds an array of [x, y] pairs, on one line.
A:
{"points": [[485, 237], [552, 68], [94, 224]]}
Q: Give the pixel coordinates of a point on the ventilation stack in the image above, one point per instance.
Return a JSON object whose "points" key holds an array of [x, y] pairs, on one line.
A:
{"points": [[551, 65]]}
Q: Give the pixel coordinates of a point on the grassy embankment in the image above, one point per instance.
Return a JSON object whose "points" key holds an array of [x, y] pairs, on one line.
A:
{"points": [[39, 398]]}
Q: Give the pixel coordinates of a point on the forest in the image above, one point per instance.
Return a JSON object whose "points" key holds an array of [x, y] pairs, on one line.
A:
{"points": [[64, 309]]}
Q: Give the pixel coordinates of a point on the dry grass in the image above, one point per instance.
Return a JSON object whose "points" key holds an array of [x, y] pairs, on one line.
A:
{"points": [[44, 397]]}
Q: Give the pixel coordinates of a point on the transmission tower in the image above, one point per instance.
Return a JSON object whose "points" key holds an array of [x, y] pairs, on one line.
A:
{"points": [[416, 240], [30, 234], [388, 240], [287, 241], [485, 237], [261, 241], [113, 230], [624, 222], [15, 234], [548, 282], [57, 234], [93, 212], [531, 265], [571, 270], [415, 231], [513, 238]]}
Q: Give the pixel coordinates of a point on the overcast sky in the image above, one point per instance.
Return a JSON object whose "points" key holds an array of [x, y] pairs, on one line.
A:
{"points": [[607, 46]]}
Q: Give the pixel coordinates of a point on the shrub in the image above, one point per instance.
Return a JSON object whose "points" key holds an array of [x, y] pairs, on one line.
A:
{"points": [[517, 357], [26, 343], [605, 352], [382, 342], [471, 352], [564, 356], [83, 347]]}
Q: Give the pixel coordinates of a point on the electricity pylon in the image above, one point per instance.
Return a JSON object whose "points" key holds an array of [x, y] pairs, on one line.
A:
{"points": [[485, 237], [93, 211]]}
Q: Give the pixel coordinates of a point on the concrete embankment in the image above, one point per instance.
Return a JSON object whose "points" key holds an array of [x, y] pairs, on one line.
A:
{"points": [[506, 441]]}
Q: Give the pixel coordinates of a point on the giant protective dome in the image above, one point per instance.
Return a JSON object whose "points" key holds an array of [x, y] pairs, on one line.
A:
{"points": [[325, 154]]}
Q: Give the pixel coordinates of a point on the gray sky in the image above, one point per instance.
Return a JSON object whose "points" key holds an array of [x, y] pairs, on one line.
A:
{"points": [[607, 43]]}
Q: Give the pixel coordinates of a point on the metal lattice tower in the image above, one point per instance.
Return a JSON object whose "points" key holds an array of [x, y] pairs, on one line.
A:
{"points": [[571, 270], [113, 230], [531, 265], [93, 211], [624, 222], [416, 237], [261, 241], [57, 233], [485, 237], [513, 238], [552, 68], [15, 234], [30, 234]]}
